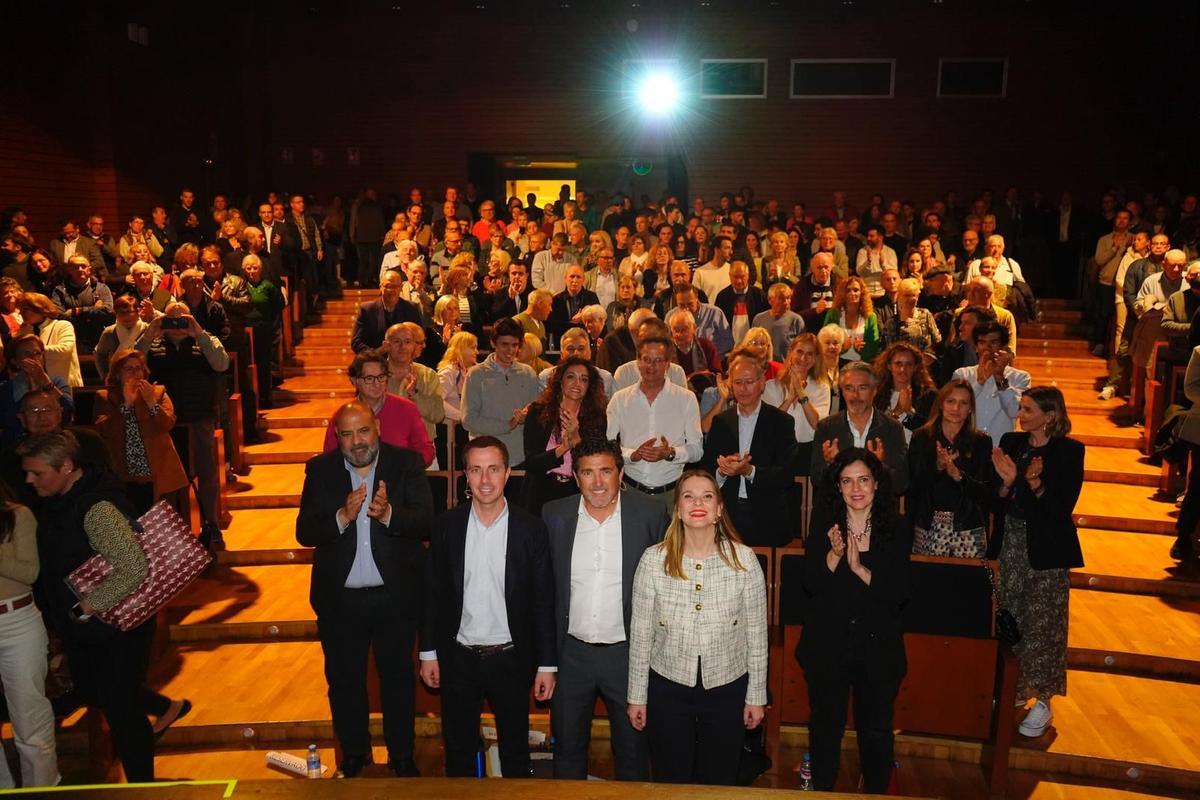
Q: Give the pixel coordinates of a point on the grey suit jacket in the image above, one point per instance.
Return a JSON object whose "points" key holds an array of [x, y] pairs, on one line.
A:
{"points": [[83, 247], [643, 524]]}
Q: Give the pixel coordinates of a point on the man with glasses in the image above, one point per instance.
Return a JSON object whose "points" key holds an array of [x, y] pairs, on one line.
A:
{"points": [[602, 280], [482, 230], [657, 422], [575, 344], [858, 425], [400, 423]]}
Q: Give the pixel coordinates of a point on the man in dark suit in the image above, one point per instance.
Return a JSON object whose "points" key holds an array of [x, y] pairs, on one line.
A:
{"points": [[512, 299], [304, 252], [814, 292], [860, 424], [751, 449], [72, 244], [489, 616], [596, 542], [365, 508], [564, 311], [375, 317], [739, 301]]}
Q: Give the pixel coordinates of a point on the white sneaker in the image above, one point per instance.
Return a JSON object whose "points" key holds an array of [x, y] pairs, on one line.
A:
{"points": [[1036, 721], [1108, 393]]}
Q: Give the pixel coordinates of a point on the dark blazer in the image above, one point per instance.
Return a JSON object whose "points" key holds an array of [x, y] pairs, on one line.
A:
{"points": [[397, 548], [889, 432], [836, 598], [537, 486], [643, 523], [615, 350], [773, 454], [929, 490], [802, 302], [504, 306], [373, 320], [1052, 541], [560, 319], [756, 302], [528, 579]]}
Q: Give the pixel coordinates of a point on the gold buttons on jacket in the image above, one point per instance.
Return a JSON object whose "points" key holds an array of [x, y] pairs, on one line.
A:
{"points": [[698, 606], [699, 586], [699, 566]]}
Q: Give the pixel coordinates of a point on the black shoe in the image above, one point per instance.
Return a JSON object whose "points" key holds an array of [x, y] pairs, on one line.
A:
{"points": [[1176, 553], [353, 766], [211, 537], [184, 709], [403, 768]]}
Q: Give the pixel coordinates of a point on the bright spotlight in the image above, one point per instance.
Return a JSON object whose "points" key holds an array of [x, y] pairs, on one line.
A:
{"points": [[658, 93]]}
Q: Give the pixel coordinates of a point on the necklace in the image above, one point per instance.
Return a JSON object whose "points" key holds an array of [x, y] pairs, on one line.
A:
{"points": [[860, 536]]}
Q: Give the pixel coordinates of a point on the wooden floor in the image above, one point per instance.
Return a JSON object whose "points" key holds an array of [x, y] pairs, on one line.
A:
{"points": [[241, 642]]}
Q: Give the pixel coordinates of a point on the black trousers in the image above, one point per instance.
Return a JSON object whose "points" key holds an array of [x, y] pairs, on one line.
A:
{"points": [[110, 675], [504, 681], [1189, 512], [585, 670], [874, 704], [366, 619], [370, 258], [695, 734]]}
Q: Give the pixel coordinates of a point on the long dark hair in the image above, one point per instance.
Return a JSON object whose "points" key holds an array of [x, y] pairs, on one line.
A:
{"points": [[593, 409], [933, 427], [883, 510], [8, 519], [921, 382]]}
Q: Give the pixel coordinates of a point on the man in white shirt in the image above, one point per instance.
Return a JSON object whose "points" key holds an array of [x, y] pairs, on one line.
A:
{"points": [[550, 266], [596, 541], [1007, 270], [712, 277], [603, 279], [574, 344], [489, 628], [998, 387], [873, 259], [628, 374], [657, 422]]}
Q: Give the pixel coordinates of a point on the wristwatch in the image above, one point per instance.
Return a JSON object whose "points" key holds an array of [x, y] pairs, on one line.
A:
{"points": [[671, 455], [802, 400]]}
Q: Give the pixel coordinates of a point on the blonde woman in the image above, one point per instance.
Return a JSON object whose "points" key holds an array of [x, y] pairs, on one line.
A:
{"points": [[531, 354], [758, 341], [458, 359], [40, 317], [802, 389], [831, 340], [697, 641], [781, 264]]}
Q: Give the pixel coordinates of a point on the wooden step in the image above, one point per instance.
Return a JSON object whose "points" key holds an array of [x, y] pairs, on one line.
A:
{"points": [[306, 413], [268, 486], [1108, 725], [259, 603], [1099, 431], [286, 446], [1054, 329], [327, 319], [308, 387], [1083, 400], [1063, 315], [332, 369], [347, 305], [1054, 346], [1081, 365], [325, 337], [1060, 303], [1135, 634], [1120, 507], [261, 536], [1116, 561], [1119, 465], [317, 356]]}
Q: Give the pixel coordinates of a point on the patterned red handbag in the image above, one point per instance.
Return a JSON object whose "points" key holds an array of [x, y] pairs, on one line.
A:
{"points": [[175, 557]]}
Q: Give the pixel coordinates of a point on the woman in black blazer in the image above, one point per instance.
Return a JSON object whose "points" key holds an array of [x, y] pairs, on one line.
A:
{"points": [[1040, 474], [856, 574], [951, 481], [572, 408]]}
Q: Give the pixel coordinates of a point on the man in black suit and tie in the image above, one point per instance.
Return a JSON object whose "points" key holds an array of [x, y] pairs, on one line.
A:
{"points": [[489, 616], [513, 298], [596, 542], [860, 424], [365, 508], [374, 318], [565, 308], [751, 449]]}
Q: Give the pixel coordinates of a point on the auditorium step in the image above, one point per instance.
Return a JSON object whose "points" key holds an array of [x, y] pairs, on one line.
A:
{"points": [[321, 356], [1082, 400], [1081, 364], [306, 413], [1117, 561], [1120, 507], [1120, 728], [262, 603], [1068, 316], [268, 486], [1135, 634], [286, 446], [1053, 347], [315, 335], [263, 536], [1119, 465], [1099, 431], [318, 370], [1054, 329], [308, 387]]}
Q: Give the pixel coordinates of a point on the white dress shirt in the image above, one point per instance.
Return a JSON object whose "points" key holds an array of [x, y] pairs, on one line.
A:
{"points": [[1007, 271], [860, 436], [995, 409], [484, 613], [674, 414], [597, 613], [69, 248], [818, 395], [746, 423], [606, 287]]}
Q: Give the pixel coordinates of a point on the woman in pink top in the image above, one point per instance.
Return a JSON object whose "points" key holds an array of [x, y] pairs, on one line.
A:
{"points": [[400, 423]]}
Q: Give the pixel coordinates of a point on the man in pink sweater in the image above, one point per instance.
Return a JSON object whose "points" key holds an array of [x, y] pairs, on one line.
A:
{"points": [[398, 419]]}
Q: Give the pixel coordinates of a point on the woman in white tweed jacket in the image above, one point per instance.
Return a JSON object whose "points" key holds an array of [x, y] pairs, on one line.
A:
{"points": [[698, 641]]}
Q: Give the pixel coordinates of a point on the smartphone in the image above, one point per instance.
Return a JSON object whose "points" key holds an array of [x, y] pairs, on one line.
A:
{"points": [[174, 324]]}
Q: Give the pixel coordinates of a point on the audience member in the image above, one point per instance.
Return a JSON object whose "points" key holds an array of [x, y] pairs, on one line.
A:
{"points": [[740, 302], [84, 302], [498, 392], [549, 269], [397, 418], [374, 318], [456, 362], [905, 389], [40, 317], [858, 426], [802, 389], [780, 322], [567, 305], [997, 385]]}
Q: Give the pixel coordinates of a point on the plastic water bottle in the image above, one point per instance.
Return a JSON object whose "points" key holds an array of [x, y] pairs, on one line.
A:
{"points": [[806, 782], [314, 762]]}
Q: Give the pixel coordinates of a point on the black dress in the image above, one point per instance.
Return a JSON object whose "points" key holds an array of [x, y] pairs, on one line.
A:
{"points": [[852, 641]]}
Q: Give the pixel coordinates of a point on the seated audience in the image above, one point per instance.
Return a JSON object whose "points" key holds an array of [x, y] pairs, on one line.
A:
{"points": [[533, 319], [84, 302], [568, 305], [531, 354], [740, 301], [576, 344], [802, 390], [911, 323], [375, 317], [853, 310], [691, 352], [40, 317], [758, 342], [456, 362], [780, 322], [906, 392]]}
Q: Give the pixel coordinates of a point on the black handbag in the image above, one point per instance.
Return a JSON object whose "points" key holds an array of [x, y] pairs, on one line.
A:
{"points": [[1007, 629]]}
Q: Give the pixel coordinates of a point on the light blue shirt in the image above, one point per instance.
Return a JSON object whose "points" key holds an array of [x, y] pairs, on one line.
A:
{"points": [[712, 325], [363, 572], [746, 423]]}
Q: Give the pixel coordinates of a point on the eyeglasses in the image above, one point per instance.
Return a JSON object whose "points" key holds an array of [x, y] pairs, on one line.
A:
{"points": [[373, 378], [41, 410]]}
